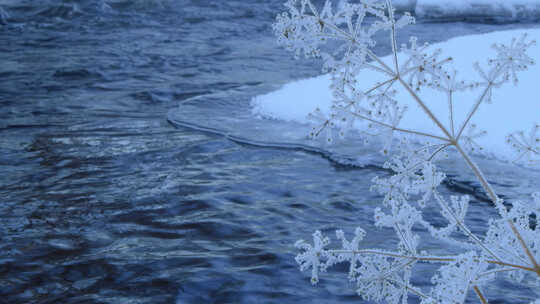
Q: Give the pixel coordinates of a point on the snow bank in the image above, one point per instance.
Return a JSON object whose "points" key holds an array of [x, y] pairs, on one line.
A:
{"points": [[404, 5], [514, 108], [494, 9]]}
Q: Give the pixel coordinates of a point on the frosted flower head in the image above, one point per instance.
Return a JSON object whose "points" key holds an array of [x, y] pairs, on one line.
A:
{"points": [[312, 255], [411, 190], [453, 281], [513, 58], [526, 146], [469, 140], [379, 279]]}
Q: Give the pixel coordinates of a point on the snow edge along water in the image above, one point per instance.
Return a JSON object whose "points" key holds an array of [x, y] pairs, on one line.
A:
{"points": [[514, 108]]}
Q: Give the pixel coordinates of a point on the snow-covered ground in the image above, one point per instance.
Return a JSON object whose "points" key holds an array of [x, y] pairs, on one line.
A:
{"points": [[514, 108], [494, 9]]}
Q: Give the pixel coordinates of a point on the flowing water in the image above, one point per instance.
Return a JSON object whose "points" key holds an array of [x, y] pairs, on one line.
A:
{"points": [[105, 200]]}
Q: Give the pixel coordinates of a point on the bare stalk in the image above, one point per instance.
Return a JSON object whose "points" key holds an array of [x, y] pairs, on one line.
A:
{"points": [[451, 110], [395, 255], [412, 290], [511, 265], [522, 242], [353, 40], [474, 109], [498, 204], [399, 129], [391, 80], [442, 259], [483, 181], [464, 228], [393, 35], [426, 109], [480, 295]]}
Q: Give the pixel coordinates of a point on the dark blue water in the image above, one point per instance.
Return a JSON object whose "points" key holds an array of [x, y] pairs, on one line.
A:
{"points": [[105, 201]]}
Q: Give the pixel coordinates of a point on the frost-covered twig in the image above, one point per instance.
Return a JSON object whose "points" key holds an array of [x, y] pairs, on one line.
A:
{"points": [[510, 244]]}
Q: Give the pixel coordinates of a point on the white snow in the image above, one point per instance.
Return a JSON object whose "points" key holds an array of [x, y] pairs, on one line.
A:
{"points": [[495, 9], [503, 8], [514, 108]]}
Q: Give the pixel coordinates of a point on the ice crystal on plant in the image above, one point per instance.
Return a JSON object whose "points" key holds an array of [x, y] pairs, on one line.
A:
{"points": [[401, 219], [453, 281], [420, 67], [380, 279], [350, 248], [526, 146], [512, 58], [312, 255], [505, 247], [511, 244], [469, 140]]}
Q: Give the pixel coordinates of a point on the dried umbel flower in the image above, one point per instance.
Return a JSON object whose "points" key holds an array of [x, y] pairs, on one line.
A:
{"points": [[510, 246]]}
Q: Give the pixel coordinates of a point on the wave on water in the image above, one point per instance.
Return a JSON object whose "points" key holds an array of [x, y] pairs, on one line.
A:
{"points": [[25, 11], [487, 11], [3, 16]]}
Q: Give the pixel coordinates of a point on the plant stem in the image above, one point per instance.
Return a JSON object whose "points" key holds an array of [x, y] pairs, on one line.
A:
{"points": [[483, 181], [426, 109], [391, 80], [480, 295], [451, 110], [393, 35], [399, 129], [396, 255], [522, 242], [511, 265], [461, 225], [498, 204], [473, 110]]}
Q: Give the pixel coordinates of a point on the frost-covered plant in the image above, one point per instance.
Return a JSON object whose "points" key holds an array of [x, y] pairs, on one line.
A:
{"points": [[343, 38]]}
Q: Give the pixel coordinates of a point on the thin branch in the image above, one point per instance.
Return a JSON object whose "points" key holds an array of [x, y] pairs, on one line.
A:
{"points": [[511, 265], [352, 39], [474, 109], [378, 69], [487, 187], [400, 129], [461, 225], [393, 35], [396, 255], [426, 109], [451, 110], [490, 272], [398, 229], [404, 73], [437, 151], [419, 258], [480, 295], [391, 80], [379, 61], [498, 204], [412, 290], [522, 242], [326, 123], [397, 268]]}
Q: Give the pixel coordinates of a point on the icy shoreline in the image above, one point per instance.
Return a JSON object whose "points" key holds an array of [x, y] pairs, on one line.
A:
{"points": [[498, 10], [514, 108]]}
